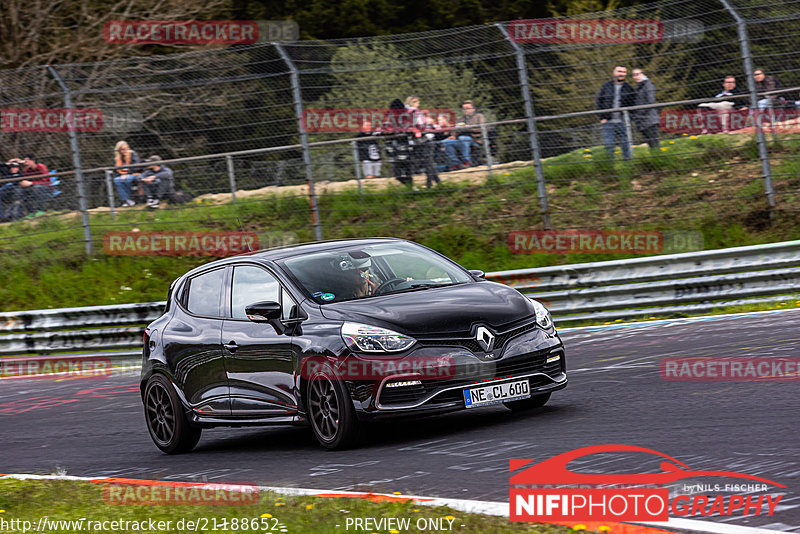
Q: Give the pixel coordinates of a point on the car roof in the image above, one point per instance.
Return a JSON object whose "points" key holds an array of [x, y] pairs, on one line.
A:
{"points": [[280, 253]]}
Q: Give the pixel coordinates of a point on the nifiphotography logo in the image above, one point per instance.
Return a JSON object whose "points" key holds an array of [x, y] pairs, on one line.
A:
{"points": [[537, 493]]}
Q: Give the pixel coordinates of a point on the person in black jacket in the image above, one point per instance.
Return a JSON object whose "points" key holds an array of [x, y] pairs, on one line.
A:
{"points": [[369, 151], [615, 93], [157, 181], [646, 119], [399, 146]]}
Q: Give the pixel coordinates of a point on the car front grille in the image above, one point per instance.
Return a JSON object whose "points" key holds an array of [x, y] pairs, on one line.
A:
{"points": [[470, 343], [518, 365]]}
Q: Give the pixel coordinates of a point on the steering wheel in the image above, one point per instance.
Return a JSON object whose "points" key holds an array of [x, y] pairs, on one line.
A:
{"points": [[385, 285]]}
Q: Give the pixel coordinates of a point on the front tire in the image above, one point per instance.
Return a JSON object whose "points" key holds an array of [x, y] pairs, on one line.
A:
{"points": [[330, 410], [166, 420], [536, 401]]}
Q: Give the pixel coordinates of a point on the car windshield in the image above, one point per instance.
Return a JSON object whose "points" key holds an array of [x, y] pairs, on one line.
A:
{"points": [[369, 271]]}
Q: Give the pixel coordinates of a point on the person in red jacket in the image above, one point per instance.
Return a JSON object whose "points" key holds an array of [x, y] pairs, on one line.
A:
{"points": [[36, 191]]}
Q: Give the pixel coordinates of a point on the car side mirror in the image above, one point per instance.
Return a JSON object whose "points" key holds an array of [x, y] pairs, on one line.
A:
{"points": [[266, 312], [263, 312], [477, 273]]}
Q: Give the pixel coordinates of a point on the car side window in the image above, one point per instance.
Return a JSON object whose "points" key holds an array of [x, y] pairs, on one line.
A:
{"points": [[205, 292], [252, 284]]}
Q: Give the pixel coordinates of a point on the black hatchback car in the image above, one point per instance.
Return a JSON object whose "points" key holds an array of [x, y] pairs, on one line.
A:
{"points": [[334, 334]]}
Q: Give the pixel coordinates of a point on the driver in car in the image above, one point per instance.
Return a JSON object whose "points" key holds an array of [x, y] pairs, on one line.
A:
{"points": [[359, 277]]}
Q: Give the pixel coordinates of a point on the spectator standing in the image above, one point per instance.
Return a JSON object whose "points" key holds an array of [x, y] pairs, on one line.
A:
{"points": [[423, 145], [646, 119], [615, 93], [399, 145], [157, 181], [468, 130], [369, 151], [125, 160]]}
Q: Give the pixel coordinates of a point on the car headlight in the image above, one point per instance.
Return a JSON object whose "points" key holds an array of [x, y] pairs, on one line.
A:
{"points": [[367, 338], [543, 318]]}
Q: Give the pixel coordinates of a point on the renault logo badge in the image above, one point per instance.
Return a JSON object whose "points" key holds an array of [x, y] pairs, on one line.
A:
{"points": [[485, 338]]}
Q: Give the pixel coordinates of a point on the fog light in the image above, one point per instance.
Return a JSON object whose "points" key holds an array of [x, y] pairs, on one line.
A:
{"points": [[404, 384], [554, 358]]}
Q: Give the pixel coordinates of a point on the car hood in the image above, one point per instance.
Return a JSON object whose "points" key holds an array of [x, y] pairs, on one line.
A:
{"points": [[437, 310]]}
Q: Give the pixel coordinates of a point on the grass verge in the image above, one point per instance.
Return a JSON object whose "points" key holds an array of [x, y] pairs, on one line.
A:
{"points": [[707, 184]]}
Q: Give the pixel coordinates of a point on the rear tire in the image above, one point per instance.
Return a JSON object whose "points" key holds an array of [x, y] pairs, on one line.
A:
{"points": [[330, 411], [536, 401], [166, 419]]}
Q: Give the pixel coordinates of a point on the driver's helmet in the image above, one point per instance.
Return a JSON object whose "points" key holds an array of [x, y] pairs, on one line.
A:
{"points": [[348, 263]]}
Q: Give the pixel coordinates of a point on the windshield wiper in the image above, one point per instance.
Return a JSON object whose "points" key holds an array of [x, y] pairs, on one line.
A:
{"points": [[415, 287]]}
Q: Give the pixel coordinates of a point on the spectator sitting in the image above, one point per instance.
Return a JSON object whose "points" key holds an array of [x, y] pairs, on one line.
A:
{"points": [[35, 192], [725, 107], [124, 161], [11, 191], [468, 130], [369, 152], [440, 130], [157, 181], [765, 84]]}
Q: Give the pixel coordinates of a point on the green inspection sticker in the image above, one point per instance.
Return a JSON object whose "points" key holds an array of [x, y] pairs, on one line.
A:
{"points": [[327, 296]]}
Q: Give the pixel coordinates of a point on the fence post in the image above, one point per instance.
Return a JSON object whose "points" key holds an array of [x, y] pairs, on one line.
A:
{"points": [[628, 131], [231, 178], [298, 109], [532, 132], [487, 150], [747, 59], [76, 163], [358, 165], [110, 192]]}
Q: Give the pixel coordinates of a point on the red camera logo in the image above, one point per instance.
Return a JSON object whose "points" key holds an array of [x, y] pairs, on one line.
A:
{"points": [[628, 503]]}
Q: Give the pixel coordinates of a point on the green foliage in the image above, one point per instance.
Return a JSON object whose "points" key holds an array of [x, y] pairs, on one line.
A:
{"points": [[371, 76]]}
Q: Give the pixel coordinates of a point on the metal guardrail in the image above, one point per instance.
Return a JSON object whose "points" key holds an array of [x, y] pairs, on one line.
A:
{"points": [[693, 282]]}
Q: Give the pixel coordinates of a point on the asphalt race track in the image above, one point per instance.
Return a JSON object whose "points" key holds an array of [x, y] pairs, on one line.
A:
{"points": [[95, 427]]}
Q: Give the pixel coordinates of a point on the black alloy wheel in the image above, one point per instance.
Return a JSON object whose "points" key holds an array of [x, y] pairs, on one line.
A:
{"points": [[168, 426], [331, 412]]}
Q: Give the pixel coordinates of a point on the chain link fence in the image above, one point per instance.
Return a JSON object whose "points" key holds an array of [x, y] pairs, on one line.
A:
{"points": [[232, 124]]}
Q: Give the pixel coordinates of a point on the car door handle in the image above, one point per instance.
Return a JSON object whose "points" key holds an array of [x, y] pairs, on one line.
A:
{"points": [[232, 346]]}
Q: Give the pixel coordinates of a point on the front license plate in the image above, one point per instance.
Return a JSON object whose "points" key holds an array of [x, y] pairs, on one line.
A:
{"points": [[497, 393]]}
